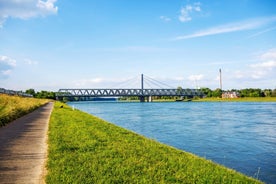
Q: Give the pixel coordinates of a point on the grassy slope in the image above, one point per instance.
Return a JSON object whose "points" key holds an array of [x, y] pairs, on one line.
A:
{"points": [[13, 107], [85, 149]]}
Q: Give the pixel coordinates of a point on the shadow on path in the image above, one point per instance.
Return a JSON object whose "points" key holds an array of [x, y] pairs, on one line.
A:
{"points": [[23, 147]]}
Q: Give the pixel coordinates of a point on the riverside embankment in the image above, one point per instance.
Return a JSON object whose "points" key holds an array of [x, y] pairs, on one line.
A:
{"points": [[86, 149], [239, 135]]}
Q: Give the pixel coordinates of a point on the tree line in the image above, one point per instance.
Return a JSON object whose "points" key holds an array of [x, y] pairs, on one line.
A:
{"points": [[41, 94], [248, 92]]}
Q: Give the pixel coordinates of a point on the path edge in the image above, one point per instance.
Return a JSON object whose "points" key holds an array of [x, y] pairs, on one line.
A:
{"points": [[44, 171]]}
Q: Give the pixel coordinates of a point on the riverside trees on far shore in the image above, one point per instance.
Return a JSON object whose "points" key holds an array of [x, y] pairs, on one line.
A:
{"points": [[42, 94], [248, 92]]}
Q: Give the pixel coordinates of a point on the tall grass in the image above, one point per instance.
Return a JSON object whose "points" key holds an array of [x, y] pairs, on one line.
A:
{"points": [[86, 149], [13, 107]]}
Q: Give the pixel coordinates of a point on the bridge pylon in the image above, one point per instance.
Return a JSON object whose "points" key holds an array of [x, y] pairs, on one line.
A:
{"points": [[142, 98]]}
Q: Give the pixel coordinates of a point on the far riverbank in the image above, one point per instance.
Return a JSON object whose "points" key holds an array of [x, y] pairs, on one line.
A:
{"points": [[207, 99], [243, 99]]}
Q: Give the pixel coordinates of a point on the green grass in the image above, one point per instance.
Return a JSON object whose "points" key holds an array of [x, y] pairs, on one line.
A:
{"points": [[13, 107], [86, 149], [244, 99]]}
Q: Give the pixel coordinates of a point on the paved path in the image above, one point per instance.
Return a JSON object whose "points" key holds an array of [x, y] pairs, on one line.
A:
{"points": [[23, 147]]}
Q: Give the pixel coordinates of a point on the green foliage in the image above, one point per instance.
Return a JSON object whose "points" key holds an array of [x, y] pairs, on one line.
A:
{"points": [[217, 93], [208, 92], [244, 99], [86, 149], [46, 95], [42, 94], [30, 91], [249, 92], [273, 93]]}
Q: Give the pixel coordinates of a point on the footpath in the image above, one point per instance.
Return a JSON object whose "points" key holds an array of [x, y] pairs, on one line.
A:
{"points": [[23, 148]]}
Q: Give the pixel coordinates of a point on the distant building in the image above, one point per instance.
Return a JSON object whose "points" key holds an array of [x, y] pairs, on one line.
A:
{"points": [[230, 94]]}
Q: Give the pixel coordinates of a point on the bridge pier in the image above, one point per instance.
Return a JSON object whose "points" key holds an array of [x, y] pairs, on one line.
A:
{"points": [[142, 98], [145, 98]]}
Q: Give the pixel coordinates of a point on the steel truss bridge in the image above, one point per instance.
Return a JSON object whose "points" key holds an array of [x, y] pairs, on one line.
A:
{"points": [[142, 93]]}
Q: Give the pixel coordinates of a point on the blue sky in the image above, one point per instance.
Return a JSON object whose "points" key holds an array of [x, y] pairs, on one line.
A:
{"points": [[52, 44]]}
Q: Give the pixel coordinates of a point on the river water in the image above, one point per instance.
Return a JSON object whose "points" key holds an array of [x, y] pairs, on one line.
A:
{"points": [[239, 135]]}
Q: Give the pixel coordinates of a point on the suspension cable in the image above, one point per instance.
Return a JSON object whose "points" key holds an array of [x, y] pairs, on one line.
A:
{"points": [[127, 82], [156, 82]]}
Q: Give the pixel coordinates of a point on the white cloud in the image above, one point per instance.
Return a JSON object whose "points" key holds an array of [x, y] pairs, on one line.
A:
{"points": [[165, 19], [266, 66], [24, 9], [6, 72], [186, 12], [7, 61], [47, 7], [6, 65], [30, 62], [264, 70], [269, 55], [231, 27], [262, 32], [268, 60]]}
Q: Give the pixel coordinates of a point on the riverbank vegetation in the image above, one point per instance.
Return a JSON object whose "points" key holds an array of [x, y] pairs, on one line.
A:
{"points": [[86, 149], [241, 99], [13, 107], [248, 92], [41, 94]]}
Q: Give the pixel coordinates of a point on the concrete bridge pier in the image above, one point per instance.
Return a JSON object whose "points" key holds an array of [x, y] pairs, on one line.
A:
{"points": [[145, 98], [142, 98]]}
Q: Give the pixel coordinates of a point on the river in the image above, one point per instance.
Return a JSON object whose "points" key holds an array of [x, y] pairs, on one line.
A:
{"points": [[239, 135]]}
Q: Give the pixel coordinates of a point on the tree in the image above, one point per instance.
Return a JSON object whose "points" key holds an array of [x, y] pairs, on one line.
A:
{"points": [[179, 90], [207, 92], [30, 91], [217, 93], [273, 94], [267, 92]]}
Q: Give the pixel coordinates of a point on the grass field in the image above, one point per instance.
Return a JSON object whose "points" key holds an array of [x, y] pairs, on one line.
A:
{"points": [[86, 149], [13, 107]]}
